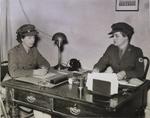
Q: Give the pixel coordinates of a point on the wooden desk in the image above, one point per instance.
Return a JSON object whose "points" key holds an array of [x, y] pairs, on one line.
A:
{"points": [[66, 100]]}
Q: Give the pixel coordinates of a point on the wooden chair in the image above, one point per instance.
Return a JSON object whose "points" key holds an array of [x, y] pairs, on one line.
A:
{"points": [[146, 66], [4, 71], [144, 97]]}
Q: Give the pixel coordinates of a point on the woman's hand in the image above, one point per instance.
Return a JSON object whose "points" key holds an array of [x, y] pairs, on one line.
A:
{"points": [[95, 70], [40, 72], [109, 70], [121, 75], [135, 81]]}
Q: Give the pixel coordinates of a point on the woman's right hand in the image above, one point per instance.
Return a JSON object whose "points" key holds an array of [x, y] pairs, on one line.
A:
{"points": [[95, 70], [40, 72]]}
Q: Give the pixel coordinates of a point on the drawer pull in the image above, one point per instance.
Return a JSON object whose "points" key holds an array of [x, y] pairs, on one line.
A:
{"points": [[31, 99], [74, 110]]}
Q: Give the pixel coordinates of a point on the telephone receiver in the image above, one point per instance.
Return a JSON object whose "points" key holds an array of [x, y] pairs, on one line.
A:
{"points": [[74, 65]]}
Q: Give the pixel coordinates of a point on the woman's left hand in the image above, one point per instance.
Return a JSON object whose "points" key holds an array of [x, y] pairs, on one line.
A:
{"points": [[121, 75]]}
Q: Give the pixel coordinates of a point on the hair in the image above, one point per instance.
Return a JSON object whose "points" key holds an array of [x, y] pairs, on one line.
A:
{"points": [[21, 36], [124, 35]]}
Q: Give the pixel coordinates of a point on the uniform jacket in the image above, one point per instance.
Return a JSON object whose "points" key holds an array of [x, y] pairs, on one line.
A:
{"points": [[21, 63], [131, 61]]}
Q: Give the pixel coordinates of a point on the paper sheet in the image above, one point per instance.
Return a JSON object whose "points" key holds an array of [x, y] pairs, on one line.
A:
{"points": [[133, 82], [50, 74], [43, 80]]}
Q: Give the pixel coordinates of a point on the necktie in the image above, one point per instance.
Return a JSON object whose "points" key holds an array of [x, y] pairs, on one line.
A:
{"points": [[120, 53]]}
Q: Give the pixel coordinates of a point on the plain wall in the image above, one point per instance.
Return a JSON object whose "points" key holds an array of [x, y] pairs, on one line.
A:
{"points": [[86, 24]]}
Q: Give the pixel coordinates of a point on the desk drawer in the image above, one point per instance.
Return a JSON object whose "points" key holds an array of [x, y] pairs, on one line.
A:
{"points": [[77, 109], [33, 99]]}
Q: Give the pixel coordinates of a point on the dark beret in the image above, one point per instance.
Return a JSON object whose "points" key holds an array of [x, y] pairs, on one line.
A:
{"points": [[27, 30], [122, 27]]}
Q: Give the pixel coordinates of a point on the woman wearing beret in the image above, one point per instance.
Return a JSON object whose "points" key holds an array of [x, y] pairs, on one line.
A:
{"points": [[123, 58], [25, 59]]}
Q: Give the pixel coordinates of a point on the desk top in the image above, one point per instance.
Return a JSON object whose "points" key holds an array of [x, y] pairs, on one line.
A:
{"points": [[72, 93]]}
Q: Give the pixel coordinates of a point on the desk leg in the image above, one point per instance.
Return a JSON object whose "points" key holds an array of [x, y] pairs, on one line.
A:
{"points": [[11, 106]]}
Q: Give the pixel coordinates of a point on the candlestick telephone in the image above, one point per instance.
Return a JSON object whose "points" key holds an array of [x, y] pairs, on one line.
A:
{"points": [[74, 65]]}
